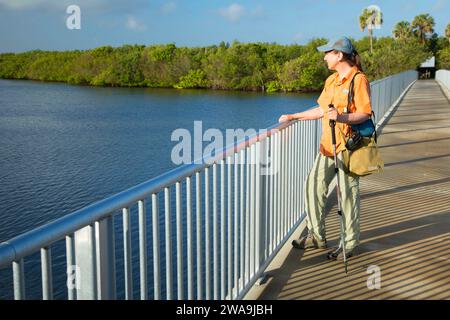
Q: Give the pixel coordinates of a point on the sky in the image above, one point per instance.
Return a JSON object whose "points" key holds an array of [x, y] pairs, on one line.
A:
{"points": [[42, 24]]}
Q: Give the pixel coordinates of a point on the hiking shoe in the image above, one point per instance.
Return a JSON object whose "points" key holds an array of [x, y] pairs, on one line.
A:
{"points": [[309, 241], [338, 254]]}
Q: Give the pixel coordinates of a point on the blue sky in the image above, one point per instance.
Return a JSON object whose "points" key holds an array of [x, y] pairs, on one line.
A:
{"points": [[41, 24]]}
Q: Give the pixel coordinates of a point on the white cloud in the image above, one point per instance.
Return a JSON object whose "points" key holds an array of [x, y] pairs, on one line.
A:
{"points": [[168, 7], [233, 12], [134, 24]]}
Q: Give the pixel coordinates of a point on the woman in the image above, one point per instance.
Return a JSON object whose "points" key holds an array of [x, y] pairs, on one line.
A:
{"points": [[341, 57]]}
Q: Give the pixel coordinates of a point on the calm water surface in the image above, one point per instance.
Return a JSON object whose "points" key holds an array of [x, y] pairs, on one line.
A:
{"points": [[63, 147]]}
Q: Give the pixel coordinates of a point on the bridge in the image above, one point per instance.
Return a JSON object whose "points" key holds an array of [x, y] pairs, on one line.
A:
{"points": [[405, 217], [237, 211]]}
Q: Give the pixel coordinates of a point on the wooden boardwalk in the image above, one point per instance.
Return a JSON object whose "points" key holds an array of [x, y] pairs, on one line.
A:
{"points": [[405, 218]]}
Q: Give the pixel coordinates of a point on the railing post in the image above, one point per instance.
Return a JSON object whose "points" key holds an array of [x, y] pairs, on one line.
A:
{"points": [[258, 207], [106, 259], [95, 261], [143, 249], [272, 193], [47, 278], [85, 257], [261, 212], [252, 197], [127, 254], [168, 239], [70, 263], [19, 280], [242, 220], [207, 238], [156, 249]]}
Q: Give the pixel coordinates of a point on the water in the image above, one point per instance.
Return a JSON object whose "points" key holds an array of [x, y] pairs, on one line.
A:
{"points": [[63, 147]]}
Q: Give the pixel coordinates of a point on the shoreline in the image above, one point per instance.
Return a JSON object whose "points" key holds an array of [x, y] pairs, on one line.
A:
{"points": [[171, 88]]}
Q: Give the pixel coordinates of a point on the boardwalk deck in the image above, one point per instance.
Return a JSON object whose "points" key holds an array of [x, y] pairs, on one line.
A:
{"points": [[405, 218]]}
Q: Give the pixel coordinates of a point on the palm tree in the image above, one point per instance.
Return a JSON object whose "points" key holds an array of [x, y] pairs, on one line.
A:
{"points": [[371, 17], [402, 30], [447, 32], [422, 26]]}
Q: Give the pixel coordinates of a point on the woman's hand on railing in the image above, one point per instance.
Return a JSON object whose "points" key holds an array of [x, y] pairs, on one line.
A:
{"points": [[285, 117]]}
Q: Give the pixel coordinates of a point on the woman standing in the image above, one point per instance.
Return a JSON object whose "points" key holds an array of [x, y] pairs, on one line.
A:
{"points": [[341, 57]]}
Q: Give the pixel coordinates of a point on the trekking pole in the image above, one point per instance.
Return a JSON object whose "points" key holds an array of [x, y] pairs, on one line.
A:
{"points": [[338, 190]]}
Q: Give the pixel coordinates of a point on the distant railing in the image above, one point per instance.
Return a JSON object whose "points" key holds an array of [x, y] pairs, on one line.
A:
{"points": [[443, 76], [233, 212]]}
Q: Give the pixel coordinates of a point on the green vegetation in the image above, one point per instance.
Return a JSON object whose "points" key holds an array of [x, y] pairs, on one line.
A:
{"points": [[422, 26], [443, 58], [402, 30], [265, 67]]}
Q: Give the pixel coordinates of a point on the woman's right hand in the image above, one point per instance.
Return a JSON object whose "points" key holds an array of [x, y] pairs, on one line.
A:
{"points": [[285, 117]]}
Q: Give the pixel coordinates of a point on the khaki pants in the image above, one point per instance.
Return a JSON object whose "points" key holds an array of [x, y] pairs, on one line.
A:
{"points": [[316, 192]]}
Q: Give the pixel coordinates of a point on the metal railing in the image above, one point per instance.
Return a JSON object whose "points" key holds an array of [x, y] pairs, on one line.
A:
{"points": [[443, 76], [233, 212]]}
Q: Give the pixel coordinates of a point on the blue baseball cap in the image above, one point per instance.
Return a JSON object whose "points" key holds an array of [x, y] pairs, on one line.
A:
{"points": [[342, 44]]}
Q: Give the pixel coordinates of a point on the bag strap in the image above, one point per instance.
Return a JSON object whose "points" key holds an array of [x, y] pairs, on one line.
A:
{"points": [[351, 99], [350, 92]]}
